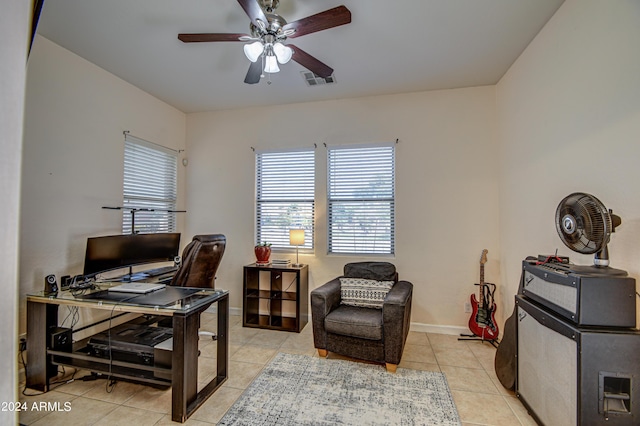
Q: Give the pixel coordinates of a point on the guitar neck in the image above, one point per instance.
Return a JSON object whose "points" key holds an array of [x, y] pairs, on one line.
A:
{"points": [[481, 295]]}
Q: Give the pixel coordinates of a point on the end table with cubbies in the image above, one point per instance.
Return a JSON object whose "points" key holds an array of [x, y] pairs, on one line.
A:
{"points": [[276, 297]]}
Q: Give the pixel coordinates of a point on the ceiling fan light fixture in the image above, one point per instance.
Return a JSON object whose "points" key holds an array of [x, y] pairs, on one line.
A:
{"points": [[253, 50], [271, 64], [283, 53]]}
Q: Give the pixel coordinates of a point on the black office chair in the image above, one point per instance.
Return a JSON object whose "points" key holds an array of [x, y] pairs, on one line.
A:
{"points": [[200, 261]]}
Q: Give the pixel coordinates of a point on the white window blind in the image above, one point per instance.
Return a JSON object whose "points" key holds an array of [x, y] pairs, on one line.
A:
{"points": [[361, 199], [285, 196], [150, 184]]}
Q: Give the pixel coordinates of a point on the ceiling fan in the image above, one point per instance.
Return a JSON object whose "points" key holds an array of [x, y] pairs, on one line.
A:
{"points": [[265, 46]]}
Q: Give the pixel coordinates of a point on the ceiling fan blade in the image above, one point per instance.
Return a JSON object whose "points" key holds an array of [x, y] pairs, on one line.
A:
{"points": [[310, 63], [204, 37], [254, 73], [253, 10], [320, 21]]}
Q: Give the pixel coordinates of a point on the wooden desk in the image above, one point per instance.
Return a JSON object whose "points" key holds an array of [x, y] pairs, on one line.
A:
{"points": [[185, 311]]}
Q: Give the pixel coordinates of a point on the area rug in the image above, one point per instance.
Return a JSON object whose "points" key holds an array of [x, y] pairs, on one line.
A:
{"points": [[304, 390]]}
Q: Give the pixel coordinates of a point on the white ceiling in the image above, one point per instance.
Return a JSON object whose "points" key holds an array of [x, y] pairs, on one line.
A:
{"points": [[389, 47]]}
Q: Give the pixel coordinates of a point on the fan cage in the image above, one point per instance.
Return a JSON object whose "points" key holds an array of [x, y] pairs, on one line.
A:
{"points": [[591, 219]]}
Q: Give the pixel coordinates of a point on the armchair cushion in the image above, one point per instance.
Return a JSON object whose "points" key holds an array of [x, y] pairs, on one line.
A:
{"points": [[363, 292], [355, 321]]}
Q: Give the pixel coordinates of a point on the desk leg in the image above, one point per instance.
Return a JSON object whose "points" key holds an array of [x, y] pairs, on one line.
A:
{"points": [[223, 339], [40, 317], [184, 380]]}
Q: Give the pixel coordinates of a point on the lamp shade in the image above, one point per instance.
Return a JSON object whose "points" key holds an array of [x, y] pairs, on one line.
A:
{"points": [[271, 64], [283, 53], [253, 50], [296, 237]]}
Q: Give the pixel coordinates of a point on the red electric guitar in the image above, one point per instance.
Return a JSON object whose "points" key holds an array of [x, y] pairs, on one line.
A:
{"points": [[483, 322]]}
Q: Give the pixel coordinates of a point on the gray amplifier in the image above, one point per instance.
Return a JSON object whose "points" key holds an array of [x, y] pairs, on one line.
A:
{"points": [[569, 375], [585, 295]]}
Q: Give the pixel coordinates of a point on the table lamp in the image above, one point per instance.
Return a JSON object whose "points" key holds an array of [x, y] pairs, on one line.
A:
{"points": [[296, 238]]}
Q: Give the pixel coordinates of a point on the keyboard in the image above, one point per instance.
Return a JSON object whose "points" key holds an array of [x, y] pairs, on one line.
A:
{"points": [[160, 271]]}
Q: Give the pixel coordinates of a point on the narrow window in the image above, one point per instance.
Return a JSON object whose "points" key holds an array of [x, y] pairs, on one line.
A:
{"points": [[285, 191], [361, 199], [150, 187]]}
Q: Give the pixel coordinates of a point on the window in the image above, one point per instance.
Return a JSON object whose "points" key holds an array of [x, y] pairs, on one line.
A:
{"points": [[150, 182], [285, 191], [361, 199]]}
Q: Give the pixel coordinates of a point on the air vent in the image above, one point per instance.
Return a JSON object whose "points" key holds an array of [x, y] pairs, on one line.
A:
{"points": [[314, 79]]}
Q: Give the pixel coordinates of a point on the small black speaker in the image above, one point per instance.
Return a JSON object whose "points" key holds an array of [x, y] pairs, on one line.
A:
{"points": [[50, 284], [60, 339]]}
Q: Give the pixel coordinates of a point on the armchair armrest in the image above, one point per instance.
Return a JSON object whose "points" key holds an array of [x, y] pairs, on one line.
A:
{"points": [[324, 299], [396, 317]]}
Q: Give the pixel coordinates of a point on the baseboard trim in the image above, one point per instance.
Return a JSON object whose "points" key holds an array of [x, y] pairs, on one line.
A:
{"points": [[232, 311], [453, 330]]}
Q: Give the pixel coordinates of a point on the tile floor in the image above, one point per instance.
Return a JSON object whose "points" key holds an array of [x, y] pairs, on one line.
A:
{"points": [[477, 393]]}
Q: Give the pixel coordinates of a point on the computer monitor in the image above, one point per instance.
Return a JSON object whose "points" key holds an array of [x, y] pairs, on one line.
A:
{"points": [[121, 251]]}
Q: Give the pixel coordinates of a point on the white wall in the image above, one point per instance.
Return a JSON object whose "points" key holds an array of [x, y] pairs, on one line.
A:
{"points": [[569, 120], [73, 158], [447, 186], [14, 33]]}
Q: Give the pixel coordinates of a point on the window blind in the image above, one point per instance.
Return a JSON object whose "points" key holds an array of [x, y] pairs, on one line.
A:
{"points": [[285, 196], [361, 199], [150, 184]]}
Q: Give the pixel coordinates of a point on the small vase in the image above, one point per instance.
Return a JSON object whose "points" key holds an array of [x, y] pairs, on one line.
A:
{"points": [[262, 254]]}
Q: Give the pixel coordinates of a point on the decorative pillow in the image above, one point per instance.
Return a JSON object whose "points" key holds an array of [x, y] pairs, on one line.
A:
{"points": [[364, 293]]}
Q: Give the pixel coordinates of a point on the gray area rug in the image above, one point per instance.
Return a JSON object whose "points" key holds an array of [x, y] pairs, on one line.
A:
{"points": [[303, 390]]}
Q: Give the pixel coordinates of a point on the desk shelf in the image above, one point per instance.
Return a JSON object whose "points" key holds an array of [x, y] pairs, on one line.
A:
{"points": [[275, 297]]}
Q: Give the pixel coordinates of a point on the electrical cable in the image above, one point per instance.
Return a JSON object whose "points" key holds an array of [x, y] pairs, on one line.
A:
{"points": [[111, 382], [60, 382]]}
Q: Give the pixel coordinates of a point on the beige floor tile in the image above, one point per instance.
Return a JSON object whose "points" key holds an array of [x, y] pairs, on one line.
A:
{"points": [[127, 416], [116, 394], [298, 341], [445, 341], [469, 379], [84, 411], [270, 338], [218, 404], [241, 374], [254, 354], [457, 357], [496, 381], [419, 353], [235, 320], [208, 349], [485, 409], [33, 410], [152, 399], [302, 351], [241, 334], [424, 366], [520, 411], [207, 367], [417, 338], [79, 386]]}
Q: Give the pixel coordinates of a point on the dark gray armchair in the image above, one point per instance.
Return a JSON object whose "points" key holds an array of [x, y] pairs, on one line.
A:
{"points": [[372, 334]]}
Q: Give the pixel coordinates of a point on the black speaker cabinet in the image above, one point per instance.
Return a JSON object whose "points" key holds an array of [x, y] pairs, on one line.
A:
{"points": [[60, 339], [585, 295], [568, 376]]}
